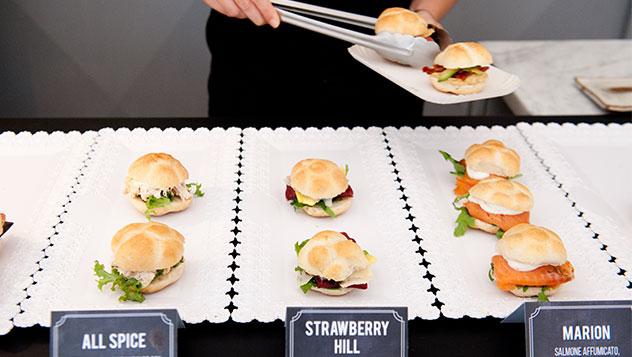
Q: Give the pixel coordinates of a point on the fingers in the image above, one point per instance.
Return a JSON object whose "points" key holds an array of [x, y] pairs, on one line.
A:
{"points": [[268, 12], [226, 7], [251, 10], [260, 12]]}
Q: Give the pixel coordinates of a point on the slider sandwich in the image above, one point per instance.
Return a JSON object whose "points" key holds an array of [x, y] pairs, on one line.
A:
{"points": [[332, 263], [403, 21], [156, 185], [319, 187], [493, 205], [147, 258], [531, 261], [460, 68], [487, 160], [3, 219]]}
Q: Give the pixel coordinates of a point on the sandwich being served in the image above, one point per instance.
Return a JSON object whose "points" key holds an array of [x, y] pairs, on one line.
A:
{"points": [[482, 161], [403, 21], [531, 261], [460, 68], [319, 187], [156, 184], [148, 257], [332, 263], [494, 206]]}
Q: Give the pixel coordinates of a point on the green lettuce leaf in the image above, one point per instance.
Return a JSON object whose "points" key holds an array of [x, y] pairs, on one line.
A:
{"points": [[155, 202], [458, 198], [298, 269], [297, 204], [346, 169], [490, 274], [298, 246], [459, 169], [198, 192], [500, 233], [327, 210], [463, 222], [130, 287], [542, 296], [308, 285], [514, 177]]}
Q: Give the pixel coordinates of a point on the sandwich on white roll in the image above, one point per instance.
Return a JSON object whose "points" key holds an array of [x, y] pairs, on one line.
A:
{"points": [[147, 258], [531, 261], [156, 184], [494, 205], [403, 21], [332, 263], [319, 187], [3, 219], [460, 68], [491, 159]]}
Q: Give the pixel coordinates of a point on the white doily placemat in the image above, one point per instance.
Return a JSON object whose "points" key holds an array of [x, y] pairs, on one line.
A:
{"points": [[460, 265], [593, 164], [270, 226], [37, 172], [100, 209]]}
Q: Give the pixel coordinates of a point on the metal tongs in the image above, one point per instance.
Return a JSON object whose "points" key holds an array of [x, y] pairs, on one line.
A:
{"points": [[405, 49]]}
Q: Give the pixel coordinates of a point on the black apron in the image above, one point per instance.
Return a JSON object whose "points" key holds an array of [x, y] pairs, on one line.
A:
{"points": [[292, 72]]}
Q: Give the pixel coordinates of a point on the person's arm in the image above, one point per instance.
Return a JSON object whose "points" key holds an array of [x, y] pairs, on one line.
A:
{"points": [[432, 10], [260, 12]]}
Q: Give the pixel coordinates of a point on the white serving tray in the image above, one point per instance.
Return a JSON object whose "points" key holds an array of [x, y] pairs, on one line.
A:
{"points": [[414, 80], [461, 265], [593, 164], [100, 209], [270, 226]]}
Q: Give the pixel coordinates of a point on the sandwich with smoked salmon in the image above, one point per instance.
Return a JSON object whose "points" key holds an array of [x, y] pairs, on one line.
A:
{"points": [[482, 161], [332, 263], [531, 261], [460, 68], [319, 188], [494, 206]]}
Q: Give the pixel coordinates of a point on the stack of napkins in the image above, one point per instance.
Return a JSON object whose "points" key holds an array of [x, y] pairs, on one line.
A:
{"points": [[614, 94]]}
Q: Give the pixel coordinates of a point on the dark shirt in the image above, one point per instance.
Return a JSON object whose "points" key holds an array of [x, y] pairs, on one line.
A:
{"points": [[289, 71]]}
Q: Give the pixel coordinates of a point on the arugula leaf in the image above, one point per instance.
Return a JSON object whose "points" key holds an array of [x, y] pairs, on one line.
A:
{"points": [[297, 204], [298, 246], [459, 169], [198, 192], [299, 269], [542, 296], [525, 288], [308, 285], [327, 210], [458, 198], [514, 177], [346, 169], [490, 273], [156, 202], [500, 233], [130, 287], [463, 222], [366, 252]]}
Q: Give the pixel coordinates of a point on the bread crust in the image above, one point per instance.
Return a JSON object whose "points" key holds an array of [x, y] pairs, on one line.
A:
{"points": [[147, 247], [177, 205], [331, 255], [404, 21], [493, 157], [339, 207], [505, 193], [333, 292], [484, 226], [451, 87], [529, 244], [164, 280], [464, 55], [318, 179], [158, 170], [533, 291], [2, 220]]}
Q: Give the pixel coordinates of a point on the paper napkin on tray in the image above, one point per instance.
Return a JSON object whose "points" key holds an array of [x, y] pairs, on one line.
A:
{"points": [[614, 94]]}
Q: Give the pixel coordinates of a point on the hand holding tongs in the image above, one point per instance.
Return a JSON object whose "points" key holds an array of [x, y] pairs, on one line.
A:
{"points": [[400, 48]]}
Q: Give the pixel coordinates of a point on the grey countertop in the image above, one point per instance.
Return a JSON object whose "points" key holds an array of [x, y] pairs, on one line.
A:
{"points": [[547, 70]]}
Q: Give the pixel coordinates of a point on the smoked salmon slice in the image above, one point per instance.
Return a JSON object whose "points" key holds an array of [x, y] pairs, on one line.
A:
{"points": [[548, 275], [504, 221], [463, 184]]}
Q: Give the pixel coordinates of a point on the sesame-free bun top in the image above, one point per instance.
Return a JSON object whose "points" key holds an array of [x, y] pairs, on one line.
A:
{"points": [[529, 244], [147, 247], [464, 55], [493, 157], [404, 21], [318, 179], [505, 193], [331, 255], [158, 170]]}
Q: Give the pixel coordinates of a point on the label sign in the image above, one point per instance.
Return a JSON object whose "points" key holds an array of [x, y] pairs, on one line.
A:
{"points": [[581, 328], [114, 333], [329, 331]]}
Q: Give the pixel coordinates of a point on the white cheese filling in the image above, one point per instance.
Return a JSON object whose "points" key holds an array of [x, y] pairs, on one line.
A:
{"points": [[145, 191], [521, 266], [492, 208], [477, 175]]}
